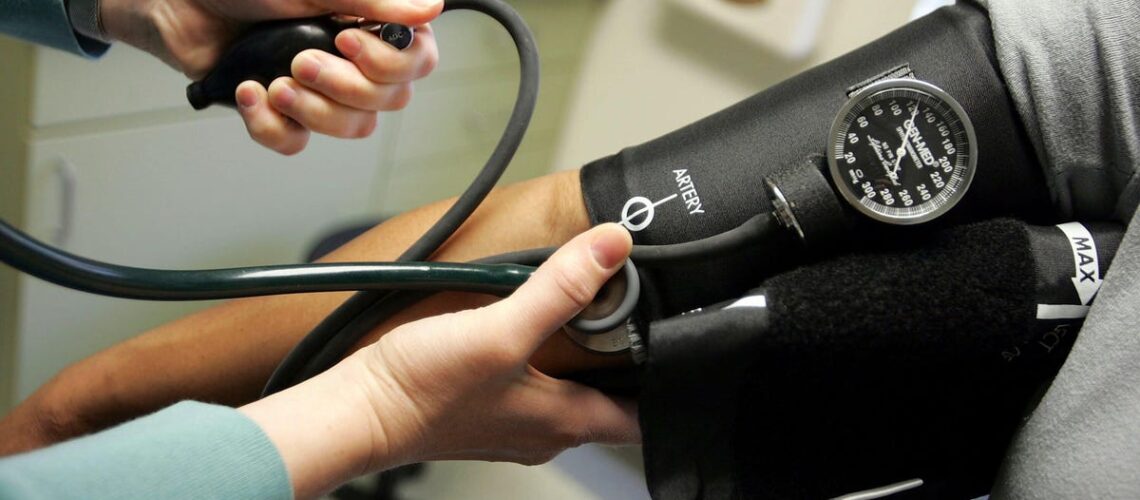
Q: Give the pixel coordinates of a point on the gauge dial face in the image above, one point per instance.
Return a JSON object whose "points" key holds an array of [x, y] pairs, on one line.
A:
{"points": [[902, 152]]}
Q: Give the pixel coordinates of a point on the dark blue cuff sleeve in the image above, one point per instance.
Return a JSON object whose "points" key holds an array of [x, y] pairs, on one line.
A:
{"points": [[45, 22]]}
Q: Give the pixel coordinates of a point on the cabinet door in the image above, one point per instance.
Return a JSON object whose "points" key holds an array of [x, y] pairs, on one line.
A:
{"points": [[124, 81], [188, 195]]}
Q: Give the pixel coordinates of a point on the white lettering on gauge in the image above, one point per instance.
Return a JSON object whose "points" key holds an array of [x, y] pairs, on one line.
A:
{"points": [[917, 148], [688, 191], [645, 209], [879, 148]]}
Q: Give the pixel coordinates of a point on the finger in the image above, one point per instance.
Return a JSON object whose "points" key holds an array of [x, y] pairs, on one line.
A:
{"points": [[265, 125], [561, 287], [319, 113], [383, 63], [587, 415], [342, 81], [406, 12]]}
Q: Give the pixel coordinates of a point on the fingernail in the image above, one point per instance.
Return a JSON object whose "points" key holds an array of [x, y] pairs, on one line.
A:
{"points": [[246, 98], [285, 97], [609, 248], [425, 3], [308, 69], [350, 44]]}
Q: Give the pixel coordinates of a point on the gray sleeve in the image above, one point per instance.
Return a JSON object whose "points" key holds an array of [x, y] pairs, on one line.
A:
{"points": [[1073, 68], [1083, 440]]}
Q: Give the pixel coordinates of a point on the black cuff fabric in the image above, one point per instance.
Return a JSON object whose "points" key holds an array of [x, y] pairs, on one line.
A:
{"points": [[708, 177], [915, 359]]}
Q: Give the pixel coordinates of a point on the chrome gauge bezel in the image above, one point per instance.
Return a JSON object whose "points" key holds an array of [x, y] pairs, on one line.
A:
{"points": [[964, 166]]}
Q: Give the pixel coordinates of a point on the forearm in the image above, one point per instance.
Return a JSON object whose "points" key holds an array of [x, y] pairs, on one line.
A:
{"points": [[226, 353]]}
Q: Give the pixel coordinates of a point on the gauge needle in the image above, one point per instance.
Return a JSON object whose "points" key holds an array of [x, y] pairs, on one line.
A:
{"points": [[901, 152]]}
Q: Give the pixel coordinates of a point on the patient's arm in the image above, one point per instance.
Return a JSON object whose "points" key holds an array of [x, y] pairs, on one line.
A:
{"points": [[226, 353]]}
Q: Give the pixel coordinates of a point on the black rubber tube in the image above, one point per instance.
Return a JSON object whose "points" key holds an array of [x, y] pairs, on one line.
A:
{"points": [[752, 232], [26, 254], [353, 319]]}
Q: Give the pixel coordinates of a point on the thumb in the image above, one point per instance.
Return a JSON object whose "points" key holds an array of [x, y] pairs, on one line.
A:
{"points": [[406, 12], [562, 286]]}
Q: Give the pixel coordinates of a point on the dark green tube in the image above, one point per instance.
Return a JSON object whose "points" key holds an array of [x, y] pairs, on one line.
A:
{"points": [[50, 264]]}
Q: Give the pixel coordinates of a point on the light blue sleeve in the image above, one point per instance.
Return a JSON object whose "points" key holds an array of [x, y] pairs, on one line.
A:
{"points": [[45, 22], [190, 450]]}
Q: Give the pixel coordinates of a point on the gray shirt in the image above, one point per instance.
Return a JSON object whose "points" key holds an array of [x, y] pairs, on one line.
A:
{"points": [[1073, 68]]}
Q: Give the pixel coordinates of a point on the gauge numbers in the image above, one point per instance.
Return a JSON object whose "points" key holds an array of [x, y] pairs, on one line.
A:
{"points": [[902, 152]]}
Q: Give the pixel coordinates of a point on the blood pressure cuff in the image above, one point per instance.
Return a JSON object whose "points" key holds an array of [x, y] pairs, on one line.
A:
{"points": [[707, 178], [908, 359]]}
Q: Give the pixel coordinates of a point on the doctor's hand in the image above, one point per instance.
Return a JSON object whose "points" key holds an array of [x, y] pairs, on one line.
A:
{"points": [[456, 386], [326, 94]]}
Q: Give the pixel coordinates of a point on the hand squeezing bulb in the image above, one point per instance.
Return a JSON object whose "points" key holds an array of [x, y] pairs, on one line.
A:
{"points": [[266, 52]]}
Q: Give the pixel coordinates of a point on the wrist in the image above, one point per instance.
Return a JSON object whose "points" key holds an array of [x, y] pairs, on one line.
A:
{"points": [[324, 429], [369, 403], [128, 21], [181, 33]]}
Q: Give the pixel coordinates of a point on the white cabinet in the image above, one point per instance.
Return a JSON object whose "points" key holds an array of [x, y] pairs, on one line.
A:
{"points": [[196, 194], [455, 119], [115, 166], [124, 81]]}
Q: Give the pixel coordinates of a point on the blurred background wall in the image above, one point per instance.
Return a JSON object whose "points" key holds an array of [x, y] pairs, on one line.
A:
{"points": [[105, 159]]}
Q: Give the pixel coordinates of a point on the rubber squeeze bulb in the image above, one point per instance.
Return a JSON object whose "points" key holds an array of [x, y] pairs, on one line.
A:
{"points": [[265, 52]]}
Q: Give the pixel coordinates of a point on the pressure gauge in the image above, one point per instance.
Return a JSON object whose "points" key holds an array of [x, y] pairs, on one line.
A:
{"points": [[902, 152]]}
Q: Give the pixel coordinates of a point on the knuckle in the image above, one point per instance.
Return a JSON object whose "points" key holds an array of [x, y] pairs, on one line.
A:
{"points": [[341, 129], [387, 67], [333, 122], [575, 287], [259, 131], [428, 64], [307, 54], [350, 89], [352, 124], [278, 84], [399, 98], [400, 68], [276, 92], [504, 355], [315, 54], [270, 138], [582, 435], [365, 127], [289, 143], [356, 91], [374, 64], [568, 429], [290, 148]]}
